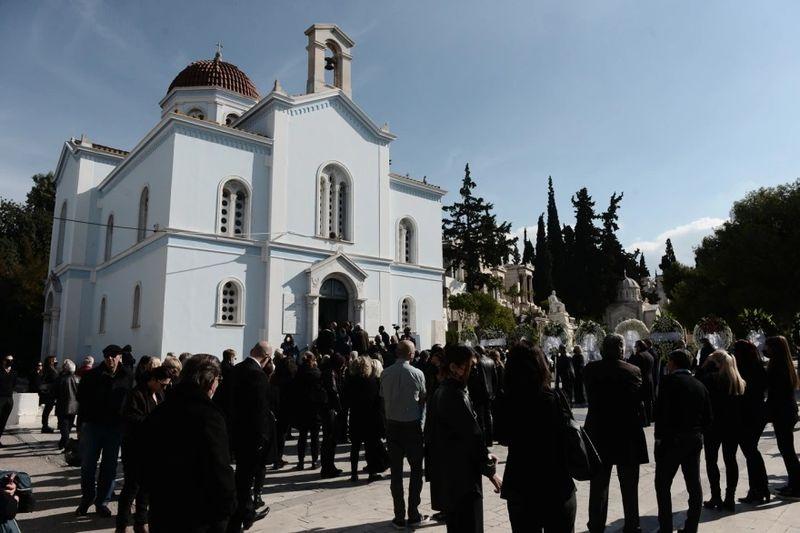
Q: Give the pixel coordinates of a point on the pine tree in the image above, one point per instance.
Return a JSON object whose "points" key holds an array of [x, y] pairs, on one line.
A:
{"points": [[555, 240], [543, 268], [528, 253], [472, 236]]}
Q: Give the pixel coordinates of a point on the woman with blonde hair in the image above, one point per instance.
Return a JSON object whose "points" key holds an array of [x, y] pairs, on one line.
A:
{"points": [[726, 387], [782, 382], [362, 395]]}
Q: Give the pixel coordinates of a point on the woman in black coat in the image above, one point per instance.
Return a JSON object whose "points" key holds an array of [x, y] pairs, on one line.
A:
{"points": [[140, 402], [281, 386], [754, 418], [782, 382], [457, 452], [310, 400], [362, 395], [536, 484], [726, 388]]}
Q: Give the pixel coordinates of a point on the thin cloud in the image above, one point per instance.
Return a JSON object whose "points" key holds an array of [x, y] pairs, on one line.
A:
{"points": [[701, 225]]}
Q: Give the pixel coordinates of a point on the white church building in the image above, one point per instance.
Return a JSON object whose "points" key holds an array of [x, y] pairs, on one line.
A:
{"points": [[240, 218]]}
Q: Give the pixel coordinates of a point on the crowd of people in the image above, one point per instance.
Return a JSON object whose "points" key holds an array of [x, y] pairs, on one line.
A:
{"points": [[440, 410]]}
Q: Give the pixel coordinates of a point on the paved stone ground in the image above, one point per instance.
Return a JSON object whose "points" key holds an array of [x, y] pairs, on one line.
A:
{"points": [[300, 501]]}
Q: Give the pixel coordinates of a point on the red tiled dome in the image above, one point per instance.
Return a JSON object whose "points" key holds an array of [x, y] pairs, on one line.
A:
{"points": [[215, 73]]}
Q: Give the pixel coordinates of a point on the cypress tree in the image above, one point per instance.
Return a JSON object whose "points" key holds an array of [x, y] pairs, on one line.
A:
{"points": [[586, 280], [528, 254], [555, 240], [543, 268]]}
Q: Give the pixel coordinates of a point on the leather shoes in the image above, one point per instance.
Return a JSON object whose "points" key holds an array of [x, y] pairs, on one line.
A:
{"points": [[82, 510], [103, 510], [248, 522]]}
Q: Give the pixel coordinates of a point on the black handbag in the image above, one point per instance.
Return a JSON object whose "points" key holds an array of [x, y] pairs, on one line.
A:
{"points": [[583, 461]]}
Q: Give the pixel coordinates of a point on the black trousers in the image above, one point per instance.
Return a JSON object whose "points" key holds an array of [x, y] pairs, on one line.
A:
{"points": [[682, 451], [6, 404], [371, 442], [467, 516], [729, 444], [580, 393], [784, 435], [65, 425], [304, 431], [405, 441], [282, 430], [756, 470], [598, 496], [557, 518], [247, 461], [132, 489], [49, 404], [328, 452]]}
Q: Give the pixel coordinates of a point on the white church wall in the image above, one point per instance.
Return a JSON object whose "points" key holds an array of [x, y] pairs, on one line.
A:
{"points": [[425, 288], [195, 268], [200, 166], [117, 281], [426, 214], [66, 190], [121, 196], [319, 134]]}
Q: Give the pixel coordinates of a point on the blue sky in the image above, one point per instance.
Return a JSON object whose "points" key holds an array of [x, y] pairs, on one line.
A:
{"points": [[682, 105]]}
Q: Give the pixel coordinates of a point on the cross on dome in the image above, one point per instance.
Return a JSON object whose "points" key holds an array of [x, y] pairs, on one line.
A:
{"points": [[219, 50]]}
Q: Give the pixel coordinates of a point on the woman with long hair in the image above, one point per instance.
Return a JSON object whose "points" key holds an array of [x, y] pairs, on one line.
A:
{"points": [[362, 395], [748, 361], [537, 486], [726, 388], [782, 382]]}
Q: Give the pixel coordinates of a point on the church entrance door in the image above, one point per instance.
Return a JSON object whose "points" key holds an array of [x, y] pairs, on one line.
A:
{"points": [[334, 303]]}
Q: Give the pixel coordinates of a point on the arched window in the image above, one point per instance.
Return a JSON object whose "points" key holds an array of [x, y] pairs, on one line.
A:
{"points": [[109, 238], [197, 113], [407, 313], [231, 118], [406, 241], [144, 201], [230, 303], [137, 297], [102, 327], [62, 228], [334, 204], [233, 213]]}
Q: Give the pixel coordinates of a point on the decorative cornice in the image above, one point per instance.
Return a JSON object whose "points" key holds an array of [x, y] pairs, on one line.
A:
{"points": [[221, 138], [419, 192]]}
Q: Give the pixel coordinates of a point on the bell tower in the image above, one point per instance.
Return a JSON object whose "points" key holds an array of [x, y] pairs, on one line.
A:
{"points": [[328, 49]]}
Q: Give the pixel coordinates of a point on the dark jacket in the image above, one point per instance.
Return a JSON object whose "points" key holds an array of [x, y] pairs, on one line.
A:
{"points": [[224, 395], [191, 481], [536, 468], [362, 396], [644, 362], [564, 369], [8, 382], [251, 409], [101, 394], [781, 402], [138, 406], [683, 406], [455, 446], [614, 420], [309, 394], [326, 341], [330, 382], [483, 382], [47, 389], [66, 395], [754, 414], [727, 408], [35, 382]]}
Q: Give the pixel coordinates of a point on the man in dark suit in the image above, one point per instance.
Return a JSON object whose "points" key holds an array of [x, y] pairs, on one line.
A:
{"points": [[682, 413], [251, 431], [643, 360], [223, 398], [614, 424]]}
